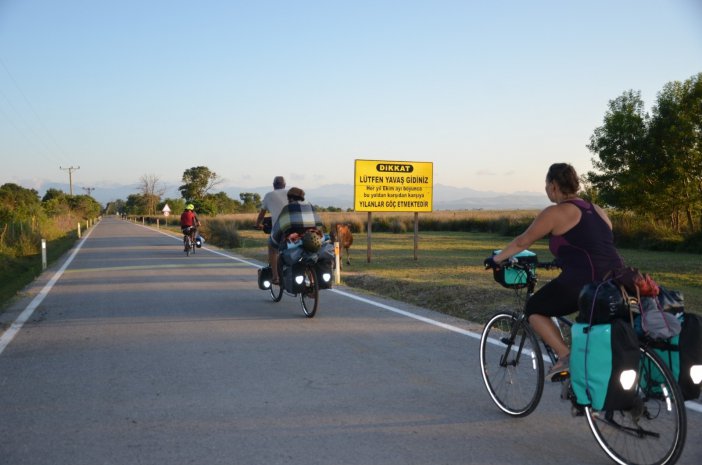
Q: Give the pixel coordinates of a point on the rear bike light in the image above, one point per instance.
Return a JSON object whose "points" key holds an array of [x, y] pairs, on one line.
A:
{"points": [[326, 277]]}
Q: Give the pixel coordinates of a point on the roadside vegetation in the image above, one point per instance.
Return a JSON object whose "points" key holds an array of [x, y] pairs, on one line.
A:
{"points": [[448, 275], [26, 219]]}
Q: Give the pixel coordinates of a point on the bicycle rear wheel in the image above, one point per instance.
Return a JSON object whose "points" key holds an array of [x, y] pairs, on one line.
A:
{"points": [[511, 364], [309, 296], [652, 433], [187, 245]]}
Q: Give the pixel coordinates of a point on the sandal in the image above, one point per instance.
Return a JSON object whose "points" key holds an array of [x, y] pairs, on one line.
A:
{"points": [[560, 370]]}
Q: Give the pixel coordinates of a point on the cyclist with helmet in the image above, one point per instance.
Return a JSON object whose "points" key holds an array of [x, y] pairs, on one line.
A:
{"points": [[298, 216], [189, 221]]}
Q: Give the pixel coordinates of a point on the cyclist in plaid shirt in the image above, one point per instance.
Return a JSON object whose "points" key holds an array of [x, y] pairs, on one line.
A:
{"points": [[296, 217]]}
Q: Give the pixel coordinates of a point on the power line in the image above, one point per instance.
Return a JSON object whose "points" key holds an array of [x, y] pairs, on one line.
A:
{"points": [[70, 176], [47, 133]]}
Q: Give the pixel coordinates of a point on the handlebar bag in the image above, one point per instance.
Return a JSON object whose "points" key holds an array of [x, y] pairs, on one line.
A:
{"points": [[599, 354], [514, 278]]}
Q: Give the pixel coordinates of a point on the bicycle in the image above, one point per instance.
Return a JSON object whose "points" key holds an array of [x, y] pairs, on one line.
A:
{"points": [[189, 235], [303, 274], [512, 366]]}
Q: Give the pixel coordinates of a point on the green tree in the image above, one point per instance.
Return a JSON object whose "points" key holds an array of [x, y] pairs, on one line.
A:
{"points": [[55, 203], [135, 205], [676, 151], [224, 204], [84, 206], [652, 165], [250, 202], [116, 207], [197, 182], [19, 204], [619, 144]]}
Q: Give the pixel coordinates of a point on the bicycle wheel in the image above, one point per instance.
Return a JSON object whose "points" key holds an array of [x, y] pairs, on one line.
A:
{"points": [[511, 364], [187, 245], [309, 297], [277, 289], [652, 433]]}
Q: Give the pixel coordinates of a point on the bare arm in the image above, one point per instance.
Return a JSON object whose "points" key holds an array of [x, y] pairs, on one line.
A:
{"points": [[259, 219], [542, 225]]}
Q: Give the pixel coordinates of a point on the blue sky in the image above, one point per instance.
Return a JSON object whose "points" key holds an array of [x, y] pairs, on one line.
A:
{"points": [[490, 92]]}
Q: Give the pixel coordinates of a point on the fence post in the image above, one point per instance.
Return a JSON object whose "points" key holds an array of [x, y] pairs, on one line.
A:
{"points": [[158, 223], [337, 271], [79, 230], [43, 254]]}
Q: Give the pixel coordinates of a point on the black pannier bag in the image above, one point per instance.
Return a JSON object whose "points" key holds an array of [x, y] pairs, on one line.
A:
{"points": [[601, 302], [265, 276], [289, 273], [322, 268], [690, 343]]}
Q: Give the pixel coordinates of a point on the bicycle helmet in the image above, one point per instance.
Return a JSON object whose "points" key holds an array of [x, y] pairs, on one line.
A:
{"points": [[190, 206], [311, 241]]}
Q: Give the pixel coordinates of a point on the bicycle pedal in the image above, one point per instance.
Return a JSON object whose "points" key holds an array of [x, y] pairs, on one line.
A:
{"points": [[560, 377]]}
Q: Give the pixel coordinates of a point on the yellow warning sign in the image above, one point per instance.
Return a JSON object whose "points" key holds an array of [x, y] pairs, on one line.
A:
{"points": [[399, 186]]}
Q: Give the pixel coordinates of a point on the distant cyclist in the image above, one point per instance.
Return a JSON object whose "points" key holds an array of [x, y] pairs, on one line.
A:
{"points": [[189, 221]]}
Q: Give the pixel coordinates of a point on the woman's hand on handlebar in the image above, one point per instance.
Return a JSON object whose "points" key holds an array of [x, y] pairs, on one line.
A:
{"points": [[490, 263]]}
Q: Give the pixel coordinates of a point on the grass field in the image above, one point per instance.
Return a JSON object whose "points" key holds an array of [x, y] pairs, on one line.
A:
{"points": [[448, 275]]}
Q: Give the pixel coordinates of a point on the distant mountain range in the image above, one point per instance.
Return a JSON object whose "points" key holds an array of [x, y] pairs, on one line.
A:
{"points": [[341, 196]]}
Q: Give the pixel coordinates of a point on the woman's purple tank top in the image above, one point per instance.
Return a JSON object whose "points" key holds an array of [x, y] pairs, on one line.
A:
{"points": [[586, 252]]}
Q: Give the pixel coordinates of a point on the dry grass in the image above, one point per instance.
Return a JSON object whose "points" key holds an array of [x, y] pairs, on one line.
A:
{"points": [[448, 276]]}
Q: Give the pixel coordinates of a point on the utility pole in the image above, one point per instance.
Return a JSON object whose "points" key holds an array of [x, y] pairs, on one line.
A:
{"points": [[88, 190], [70, 176]]}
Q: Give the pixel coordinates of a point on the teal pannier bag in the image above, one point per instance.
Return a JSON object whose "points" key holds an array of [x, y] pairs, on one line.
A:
{"points": [[599, 355], [683, 355]]}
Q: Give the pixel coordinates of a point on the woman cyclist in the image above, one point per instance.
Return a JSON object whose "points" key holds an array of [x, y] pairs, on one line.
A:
{"points": [[581, 240]]}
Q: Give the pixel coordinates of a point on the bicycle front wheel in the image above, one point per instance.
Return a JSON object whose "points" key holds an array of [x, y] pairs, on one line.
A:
{"points": [[653, 432], [511, 364], [309, 297]]}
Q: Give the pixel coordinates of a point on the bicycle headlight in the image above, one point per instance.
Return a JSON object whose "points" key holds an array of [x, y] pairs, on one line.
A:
{"points": [[299, 279], [326, 277], [696, 373], [627, 378]]}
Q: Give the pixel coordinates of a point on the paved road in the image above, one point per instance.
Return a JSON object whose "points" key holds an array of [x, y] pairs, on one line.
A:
{"points": [[139, 355]]}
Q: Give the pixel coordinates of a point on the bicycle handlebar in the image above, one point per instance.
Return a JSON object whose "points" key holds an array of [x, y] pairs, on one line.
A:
{"points": [[514, 263]]}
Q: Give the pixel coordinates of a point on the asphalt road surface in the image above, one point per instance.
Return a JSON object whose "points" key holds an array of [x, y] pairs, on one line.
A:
{"points": [[133, 353]]}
